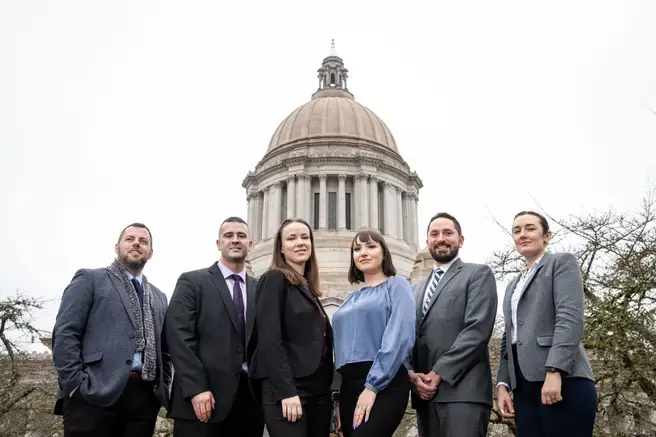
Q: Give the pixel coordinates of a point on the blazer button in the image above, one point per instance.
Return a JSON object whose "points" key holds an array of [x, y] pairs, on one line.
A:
{"points": [[132, 335], [128, 362], [520, 323], [519, 343]]}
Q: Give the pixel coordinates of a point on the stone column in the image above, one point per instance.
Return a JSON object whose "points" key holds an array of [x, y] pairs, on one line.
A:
{"points": [[356, 219], [308, 198], [300, 196], [265, 213], [256, 226], [249, 207], [373, 202], [389, 202], [291, 197], [406, 217], [363, 200], [276, 207], [323, 201], [250, 199], [412, 218], [341, 199], [399, 213]]}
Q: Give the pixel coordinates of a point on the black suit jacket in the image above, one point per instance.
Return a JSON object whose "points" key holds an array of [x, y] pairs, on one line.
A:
{"points": [[288, 341], [203, 340]]}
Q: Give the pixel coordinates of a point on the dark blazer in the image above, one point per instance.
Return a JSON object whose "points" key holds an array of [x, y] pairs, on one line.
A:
{"points": [[453, 336], [205, 345], [93, 341], [550, 323], [289, 335]]}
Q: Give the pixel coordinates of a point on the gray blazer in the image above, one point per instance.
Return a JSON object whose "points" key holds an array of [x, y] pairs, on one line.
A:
{"points": [[453, 336], [93, 341], [549, 323]]}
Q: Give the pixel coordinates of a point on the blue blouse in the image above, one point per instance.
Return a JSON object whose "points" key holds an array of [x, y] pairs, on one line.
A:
{"points": [[376, 324]]}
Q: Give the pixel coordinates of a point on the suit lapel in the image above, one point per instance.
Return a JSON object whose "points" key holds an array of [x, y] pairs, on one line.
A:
{"points": [[123, 294], [535, 273], [453, 271], [157, 305], [222, 287], [250, 306], [509, 292]]}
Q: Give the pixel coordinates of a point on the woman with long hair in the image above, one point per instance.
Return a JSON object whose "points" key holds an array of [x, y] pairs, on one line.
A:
{"points": [[543, 362], [374, 333], [292, 348]]}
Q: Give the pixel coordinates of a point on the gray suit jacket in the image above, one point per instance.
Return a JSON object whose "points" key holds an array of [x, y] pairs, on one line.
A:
{"points": [[549, 323], [93, 342], [453, 336]]}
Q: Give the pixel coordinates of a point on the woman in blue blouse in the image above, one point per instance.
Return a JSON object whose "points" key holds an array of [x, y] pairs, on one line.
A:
{"points": [[374, 331]]}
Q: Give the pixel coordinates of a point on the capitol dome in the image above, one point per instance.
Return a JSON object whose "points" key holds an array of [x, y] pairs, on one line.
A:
{"points": [[335, 164], [327, 116]]}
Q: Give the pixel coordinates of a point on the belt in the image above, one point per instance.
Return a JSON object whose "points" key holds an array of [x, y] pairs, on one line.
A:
{"points": [[135, 375]]}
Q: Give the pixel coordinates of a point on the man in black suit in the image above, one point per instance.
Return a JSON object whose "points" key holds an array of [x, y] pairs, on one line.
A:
{"points": [[208, 323]]}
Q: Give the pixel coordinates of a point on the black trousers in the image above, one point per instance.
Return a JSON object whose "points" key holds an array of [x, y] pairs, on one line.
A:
{"points": [[574, 416], [314, 392], [133, 415], [244, 420], [389, 406]]}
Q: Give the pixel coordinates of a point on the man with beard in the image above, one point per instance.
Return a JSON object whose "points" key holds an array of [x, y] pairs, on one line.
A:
{"points": [[113, 368], [456, 307], [209, 322]]}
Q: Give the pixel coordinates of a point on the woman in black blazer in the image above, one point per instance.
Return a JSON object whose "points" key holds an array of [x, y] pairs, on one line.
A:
{"points": [[543, 361], [292, 349]]}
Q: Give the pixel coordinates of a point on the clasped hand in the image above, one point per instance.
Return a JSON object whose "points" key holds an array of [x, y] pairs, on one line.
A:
{"points": [[425, 385]]}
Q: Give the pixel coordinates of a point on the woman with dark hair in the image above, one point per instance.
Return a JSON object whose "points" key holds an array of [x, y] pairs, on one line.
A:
{"points": [[292, 348], [374, 333], [542, 358]]}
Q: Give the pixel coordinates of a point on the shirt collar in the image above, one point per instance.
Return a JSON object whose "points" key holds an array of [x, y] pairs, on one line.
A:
{"points": [[446, 266], [139, 278], [225, 271], [537, 262]]}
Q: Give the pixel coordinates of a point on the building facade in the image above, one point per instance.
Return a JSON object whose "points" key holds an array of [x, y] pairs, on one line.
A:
{"points": [[335, 164]]}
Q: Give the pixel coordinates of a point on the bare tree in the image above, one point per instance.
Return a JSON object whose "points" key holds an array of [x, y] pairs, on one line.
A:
{"points": [[28, 385], [16, 313]]}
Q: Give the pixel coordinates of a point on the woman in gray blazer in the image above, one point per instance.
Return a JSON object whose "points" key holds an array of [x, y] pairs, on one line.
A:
{"points": [[542, 358]]}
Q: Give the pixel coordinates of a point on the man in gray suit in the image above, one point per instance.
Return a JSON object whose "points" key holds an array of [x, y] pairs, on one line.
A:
{"points": [[113, 368], [456, 307]]}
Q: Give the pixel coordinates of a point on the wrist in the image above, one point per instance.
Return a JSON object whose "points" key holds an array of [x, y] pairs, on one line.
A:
{"points": [[553, 374]]}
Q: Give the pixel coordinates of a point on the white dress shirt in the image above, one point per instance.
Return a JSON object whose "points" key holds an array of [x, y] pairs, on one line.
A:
{"points": [[517, 295]]}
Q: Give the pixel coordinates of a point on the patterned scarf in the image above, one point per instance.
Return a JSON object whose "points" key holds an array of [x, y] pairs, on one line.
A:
{"points": [[144, 320]]}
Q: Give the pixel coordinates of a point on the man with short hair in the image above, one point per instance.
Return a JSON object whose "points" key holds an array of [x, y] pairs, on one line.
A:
{"points": [[456, 307], [209, 322], [113, 369]]}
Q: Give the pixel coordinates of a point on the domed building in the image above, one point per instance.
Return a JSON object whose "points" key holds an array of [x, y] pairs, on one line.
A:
{"points": [[334, 163]]}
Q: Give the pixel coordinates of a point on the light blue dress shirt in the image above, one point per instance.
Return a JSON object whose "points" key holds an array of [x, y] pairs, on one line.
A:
{"points": [[137, 362], [376, 324]]}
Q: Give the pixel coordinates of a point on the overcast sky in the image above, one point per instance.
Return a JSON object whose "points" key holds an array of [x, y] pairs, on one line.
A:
{"points": [[154, 111]]}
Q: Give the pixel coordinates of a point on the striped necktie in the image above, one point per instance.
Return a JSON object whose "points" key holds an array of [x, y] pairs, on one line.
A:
{"points": [[437, 275]]}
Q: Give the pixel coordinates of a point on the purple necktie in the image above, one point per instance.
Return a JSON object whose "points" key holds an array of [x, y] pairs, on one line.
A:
{"points": [[238, 299]]}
